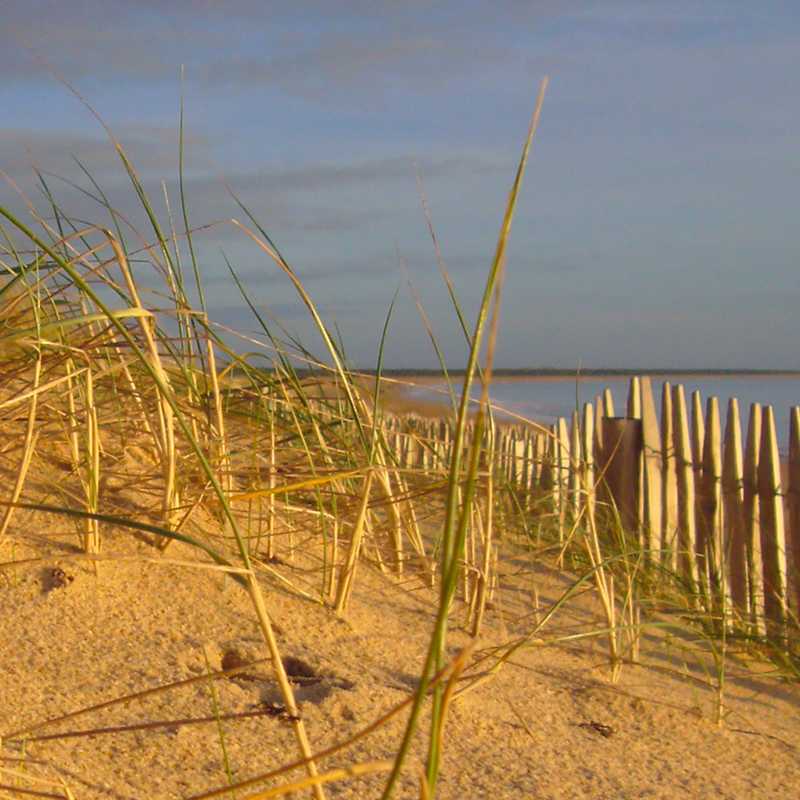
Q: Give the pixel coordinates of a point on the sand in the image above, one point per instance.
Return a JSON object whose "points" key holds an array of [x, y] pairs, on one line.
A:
{"points": [[77, 633], [534, 730]]}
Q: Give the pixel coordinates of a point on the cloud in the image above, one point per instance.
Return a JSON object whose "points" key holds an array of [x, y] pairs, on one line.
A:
{"points": [[389, 45], [315, 176], [384, 67], [151, 148], [283, 196], [380, 266]]}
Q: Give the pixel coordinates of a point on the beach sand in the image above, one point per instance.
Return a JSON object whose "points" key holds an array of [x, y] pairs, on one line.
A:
{"points": [[398, 396], [549, 724]]}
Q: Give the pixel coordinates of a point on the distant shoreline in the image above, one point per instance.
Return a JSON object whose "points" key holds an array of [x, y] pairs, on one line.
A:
{"points": [[547, 372], [410, 379], [399, 385]]}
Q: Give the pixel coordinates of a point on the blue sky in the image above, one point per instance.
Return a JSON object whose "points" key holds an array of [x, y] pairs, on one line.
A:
{"points": [[658, 223]]}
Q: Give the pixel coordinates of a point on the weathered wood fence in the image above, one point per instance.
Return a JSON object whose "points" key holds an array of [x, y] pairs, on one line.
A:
{"points": [[709, 503]]}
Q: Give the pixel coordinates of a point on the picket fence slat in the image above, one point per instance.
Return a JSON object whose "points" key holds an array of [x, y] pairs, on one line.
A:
{"points": [[733, 504], [588, 457], [562, 465], [651, 471], [710, 498], [608, 403], [669, 482], [698, 436], [575, 482], [687, 522], [635, 398], [752, 518], [773, 534], [794, 507]]}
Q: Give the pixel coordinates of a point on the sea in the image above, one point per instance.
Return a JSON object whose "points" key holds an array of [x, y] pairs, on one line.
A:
{"points": [[546, 399]]}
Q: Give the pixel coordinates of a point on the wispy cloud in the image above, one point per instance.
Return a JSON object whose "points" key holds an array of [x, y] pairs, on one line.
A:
{"points": [[307, 48], [153, 149], [316, 176]]}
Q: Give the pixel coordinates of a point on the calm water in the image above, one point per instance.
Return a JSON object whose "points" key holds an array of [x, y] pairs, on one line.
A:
{"points": [[546, 400]]}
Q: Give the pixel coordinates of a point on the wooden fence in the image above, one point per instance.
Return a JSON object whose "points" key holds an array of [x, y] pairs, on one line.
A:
{"points": [[707, 502]]}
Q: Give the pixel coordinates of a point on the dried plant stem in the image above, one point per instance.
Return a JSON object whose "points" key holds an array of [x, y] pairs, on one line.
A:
{"points": [[144, 416], [272, 480], [605, 586], [221, 458], [339, 774], [287, 692], [485, 572], [29, 445], [345, 585], [166, 417], [91, 543]]}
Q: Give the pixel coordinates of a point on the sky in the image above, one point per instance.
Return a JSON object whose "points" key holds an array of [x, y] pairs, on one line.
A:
{"points": [[658, 223]]}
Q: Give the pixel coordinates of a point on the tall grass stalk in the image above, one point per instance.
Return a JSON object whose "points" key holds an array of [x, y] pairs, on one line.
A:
{"points": [[456, 519], [28, 447], [487, 528]]}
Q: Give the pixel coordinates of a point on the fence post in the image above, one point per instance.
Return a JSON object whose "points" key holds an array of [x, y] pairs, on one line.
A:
{"points": [[794, 503], [669, 492], [773, 530], [608, 403], [539, 454], [687, 522], [598, 423], [408, 448], [619, 463], [575, 482], [562, 474], [527, 461], [520, 456], [752, 518], [499, 452], [634, 410], [733, 504], [710, 502], [588, 457], [554, 477], [698, 435], [651, 471], [547, 453], [509, 439]]}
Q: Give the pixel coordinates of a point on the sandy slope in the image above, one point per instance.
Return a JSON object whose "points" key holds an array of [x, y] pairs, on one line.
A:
{"points": [[137, 625]]}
